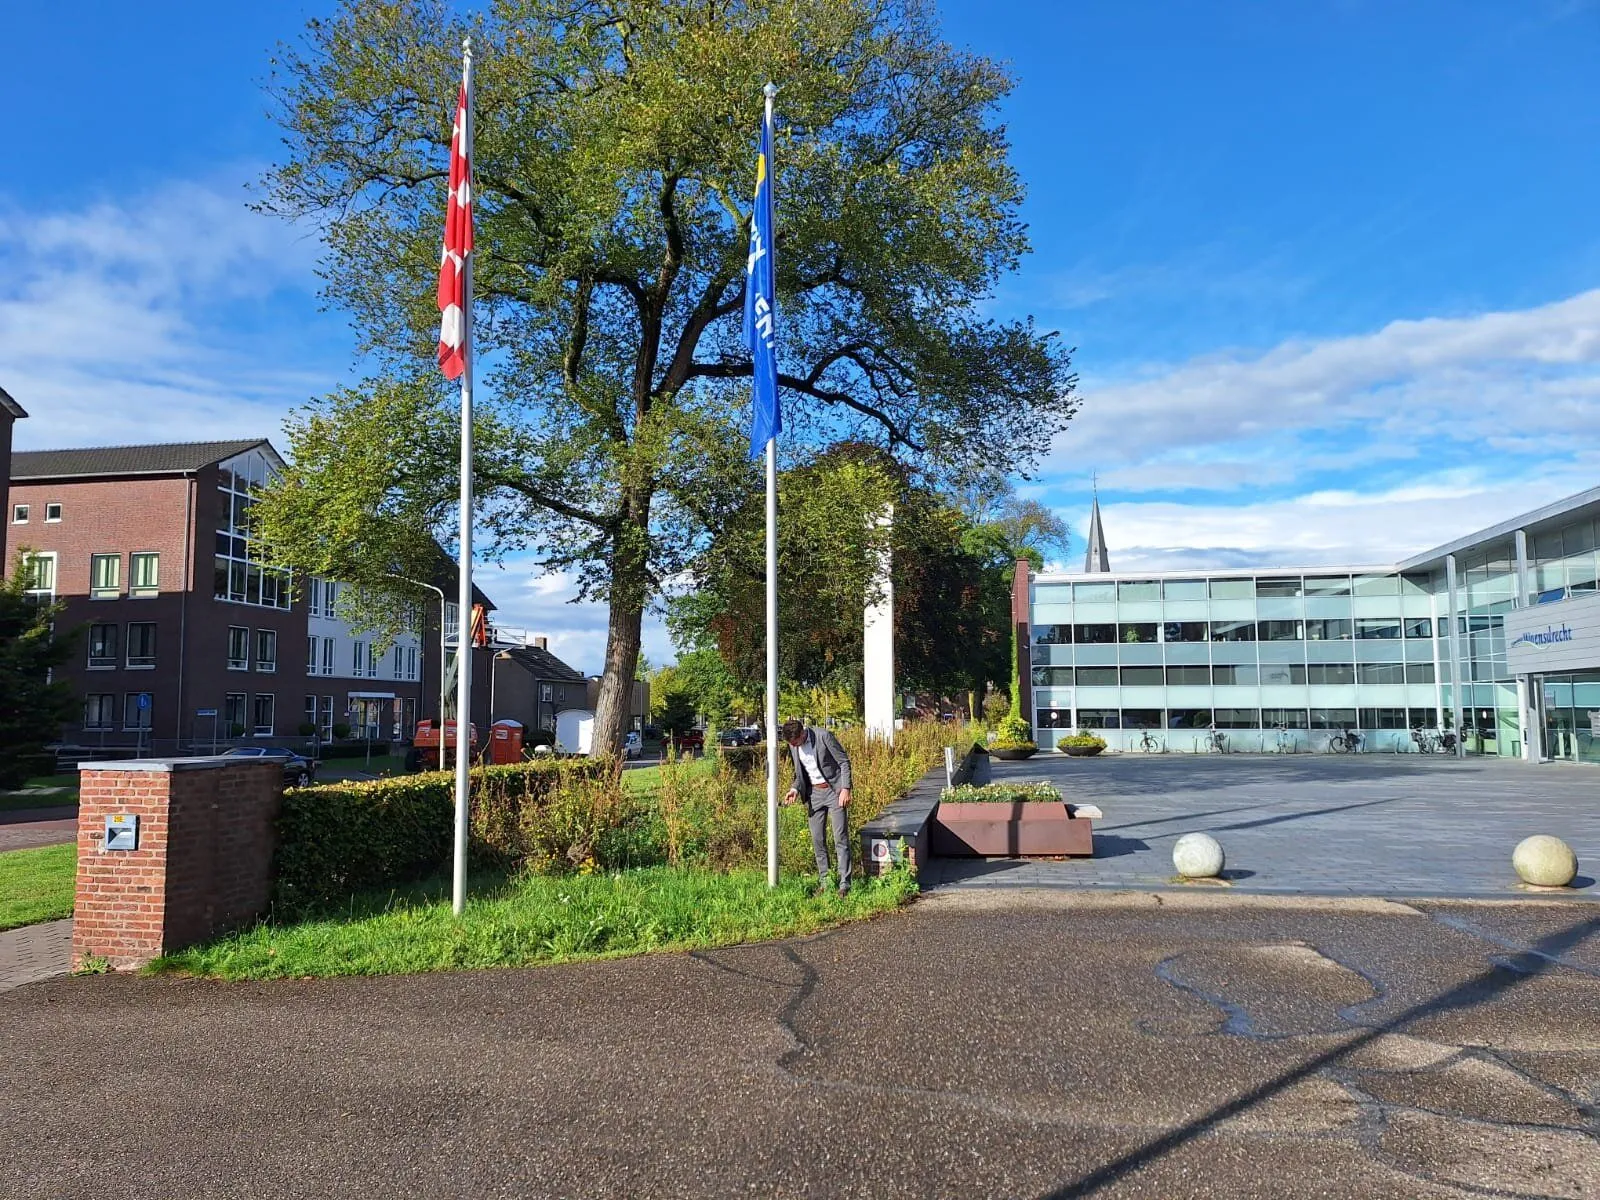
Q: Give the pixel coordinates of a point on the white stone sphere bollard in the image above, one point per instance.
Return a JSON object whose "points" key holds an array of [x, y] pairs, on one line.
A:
{"points": [[1197, 856], [1545, 861]]}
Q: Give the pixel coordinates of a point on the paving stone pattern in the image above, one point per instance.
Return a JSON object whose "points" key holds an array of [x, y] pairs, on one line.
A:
{"points": [[27, 828], [35, 952], [1384, 825]]}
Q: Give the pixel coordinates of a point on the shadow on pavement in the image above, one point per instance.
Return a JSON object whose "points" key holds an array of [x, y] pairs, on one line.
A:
{"points": [[1506, 973]]}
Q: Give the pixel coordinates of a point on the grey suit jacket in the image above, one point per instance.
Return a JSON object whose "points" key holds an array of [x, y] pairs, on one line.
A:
{"points": [[832, 761]]}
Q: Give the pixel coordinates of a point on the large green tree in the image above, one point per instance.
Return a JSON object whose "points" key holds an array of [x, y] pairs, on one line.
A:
{"points": [[613, 162], [32, 708]]}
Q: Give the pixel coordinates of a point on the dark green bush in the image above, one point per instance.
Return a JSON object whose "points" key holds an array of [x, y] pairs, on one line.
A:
{"points": [[339, 838]]}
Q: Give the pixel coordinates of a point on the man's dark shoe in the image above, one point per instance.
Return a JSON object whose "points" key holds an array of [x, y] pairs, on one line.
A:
{"points": [[844, 890]]}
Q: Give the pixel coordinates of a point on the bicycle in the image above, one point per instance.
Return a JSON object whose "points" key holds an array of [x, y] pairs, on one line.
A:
{"points": [[1216, 740], [1148, 743], [1285, 743], [1427, 742], [1348, 741]]}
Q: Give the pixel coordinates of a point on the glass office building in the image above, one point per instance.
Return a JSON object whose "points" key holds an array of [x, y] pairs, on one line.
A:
{"points": [[1288, 658]]}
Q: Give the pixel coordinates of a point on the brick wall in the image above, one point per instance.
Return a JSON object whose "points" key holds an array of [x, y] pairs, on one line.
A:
{"points": [[203, 863]]}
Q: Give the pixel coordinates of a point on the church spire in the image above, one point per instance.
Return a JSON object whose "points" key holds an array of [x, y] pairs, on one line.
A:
{"points": [[1095, 560]]}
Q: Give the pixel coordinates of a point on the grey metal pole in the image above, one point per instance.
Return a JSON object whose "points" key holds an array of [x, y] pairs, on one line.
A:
{"points": [[772, 619], [458, 891]]}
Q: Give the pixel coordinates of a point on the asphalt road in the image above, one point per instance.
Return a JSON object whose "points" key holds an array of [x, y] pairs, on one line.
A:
{"points": [[1016, 1044]]}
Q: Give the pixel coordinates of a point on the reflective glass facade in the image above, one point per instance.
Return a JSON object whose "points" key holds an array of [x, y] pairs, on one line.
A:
{"points": [[1281, 660]]}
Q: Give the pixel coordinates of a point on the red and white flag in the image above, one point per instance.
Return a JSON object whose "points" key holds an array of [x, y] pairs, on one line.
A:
{"points": [[453, 298]]}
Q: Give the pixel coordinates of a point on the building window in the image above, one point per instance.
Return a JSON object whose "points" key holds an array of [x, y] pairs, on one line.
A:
{"points": [[1141, 677], [136, 710], [144, 574], [1188, 676], [1184, 631], [1137, 633], [330, 597], [1419, 627], [141, 643], [240, 577], [311, 711], [238, 648], [1332, 673], [39, 577], [99, 710], [266, 650], [314, 598], [233, 713], [19, 514], [1284, 718], [1094, 635], [359, 655], [103, 647], [1282, 674], [1233, 631], [1237, 718], [52, 512], [1333, 718], [1052, 635], [1245, 675], [1334, 629], [263, 714], [311, 654], [1188, 718], [325, 717], [399, 662], [1057, 676], [1384, 628], [327, 656], [105, 576], [1277, 587], [1382, 718], [547, 693], [411, 662], [1419, 672], [1282, 631], [1382, 673]]}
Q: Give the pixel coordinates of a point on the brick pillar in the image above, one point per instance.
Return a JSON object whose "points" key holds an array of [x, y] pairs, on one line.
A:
{"points": [[203, 860], [1021, 579]]}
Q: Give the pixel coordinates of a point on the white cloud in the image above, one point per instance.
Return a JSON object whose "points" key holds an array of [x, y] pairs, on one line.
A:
{"points": [[179, 314], [1486, 378], [544, 604]]}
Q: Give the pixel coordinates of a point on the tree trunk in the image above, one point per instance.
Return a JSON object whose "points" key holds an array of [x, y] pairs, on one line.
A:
{"points": [[629, 589]]}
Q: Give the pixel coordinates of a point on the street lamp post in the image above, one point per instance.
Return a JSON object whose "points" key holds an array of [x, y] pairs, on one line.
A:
{"points": [[443, 659]]}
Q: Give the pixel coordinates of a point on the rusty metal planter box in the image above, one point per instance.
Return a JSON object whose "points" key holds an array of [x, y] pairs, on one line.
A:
{"points": [[1010, 829]]}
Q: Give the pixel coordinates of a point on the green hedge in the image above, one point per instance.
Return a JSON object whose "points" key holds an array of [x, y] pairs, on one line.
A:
{"points": [[338, 838]]}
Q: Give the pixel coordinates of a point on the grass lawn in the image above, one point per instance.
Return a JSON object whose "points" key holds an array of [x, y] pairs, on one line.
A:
{"points": [[36, 885], [641, 780], [536, 920], [61, 789]]}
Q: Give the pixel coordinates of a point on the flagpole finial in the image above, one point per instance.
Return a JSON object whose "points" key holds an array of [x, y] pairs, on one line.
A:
{"points": [[770, 91], [466, 45]]}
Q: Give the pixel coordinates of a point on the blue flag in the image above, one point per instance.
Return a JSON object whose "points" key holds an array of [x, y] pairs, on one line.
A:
{"points": [[760, 308]]}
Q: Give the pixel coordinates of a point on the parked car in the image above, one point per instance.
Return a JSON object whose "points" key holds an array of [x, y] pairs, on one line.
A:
{"points": [[298, 770], [746, 735], [689, 740], [632, 744]]}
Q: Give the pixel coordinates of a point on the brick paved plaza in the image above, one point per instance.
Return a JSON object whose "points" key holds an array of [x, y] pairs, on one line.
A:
{"points": [[1385, 825]]}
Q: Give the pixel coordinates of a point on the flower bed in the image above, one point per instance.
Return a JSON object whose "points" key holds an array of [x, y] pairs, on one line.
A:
{"points": [[1031, 792]]}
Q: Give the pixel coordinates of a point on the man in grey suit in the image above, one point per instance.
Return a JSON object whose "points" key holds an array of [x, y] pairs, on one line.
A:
{"points": [[822, 784]]}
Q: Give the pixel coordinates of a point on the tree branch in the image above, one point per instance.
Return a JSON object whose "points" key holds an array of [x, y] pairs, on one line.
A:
{"points": [[809, 387]]}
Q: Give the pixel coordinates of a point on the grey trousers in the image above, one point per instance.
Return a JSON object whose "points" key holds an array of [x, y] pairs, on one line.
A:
{"points": [[825, 809]]}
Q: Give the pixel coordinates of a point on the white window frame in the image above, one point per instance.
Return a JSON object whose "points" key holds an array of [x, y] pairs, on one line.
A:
{"points": [[105, 662], [314, 597], [36, 556], [547, 693], [359, 654], [20, 513], [312, 655], [244, 711], [102, 592], [108, 717], [127, 647], [53, 506], [255, 714], [149, 713], [265, 664], [238, 664], [329, 646], [139, 591]]}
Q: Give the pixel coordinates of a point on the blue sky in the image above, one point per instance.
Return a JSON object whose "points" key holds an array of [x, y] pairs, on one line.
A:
{"points": [[1333, 270]]}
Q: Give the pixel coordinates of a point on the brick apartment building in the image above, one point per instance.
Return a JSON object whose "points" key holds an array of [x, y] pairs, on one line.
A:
{"points": [[10, 413], [187, 641]]}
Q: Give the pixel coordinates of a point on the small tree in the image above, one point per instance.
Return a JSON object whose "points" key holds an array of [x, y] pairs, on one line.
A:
{"points": [[32, 708]]}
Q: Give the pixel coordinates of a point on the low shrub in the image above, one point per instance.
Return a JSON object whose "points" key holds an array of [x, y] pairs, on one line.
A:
{"points": [[1084, 740], [338, 838], [1013, 733], [1036, 792]]}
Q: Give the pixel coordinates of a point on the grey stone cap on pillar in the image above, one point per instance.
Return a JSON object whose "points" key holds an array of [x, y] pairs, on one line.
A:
{"points": [[206, 763]]}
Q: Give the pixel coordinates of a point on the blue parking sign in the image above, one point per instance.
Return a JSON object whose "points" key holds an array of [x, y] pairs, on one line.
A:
{"points": [[144, 699]]}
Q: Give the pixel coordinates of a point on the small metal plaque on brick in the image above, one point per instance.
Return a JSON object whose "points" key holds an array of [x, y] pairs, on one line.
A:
{"points": [[122, 831]]}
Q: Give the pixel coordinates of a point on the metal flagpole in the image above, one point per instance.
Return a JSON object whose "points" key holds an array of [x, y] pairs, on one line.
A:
{"points": [[458, 893], [772, 615]]}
